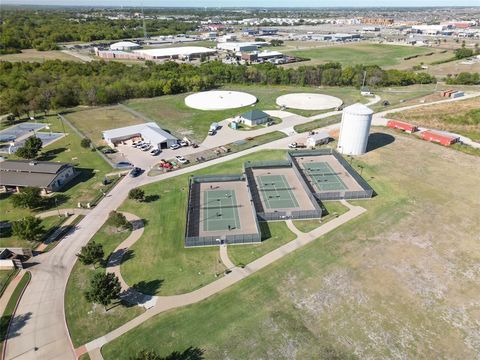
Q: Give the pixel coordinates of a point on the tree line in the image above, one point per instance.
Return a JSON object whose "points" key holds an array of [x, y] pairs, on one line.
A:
{"points": [[43, 30], [40, 87]]}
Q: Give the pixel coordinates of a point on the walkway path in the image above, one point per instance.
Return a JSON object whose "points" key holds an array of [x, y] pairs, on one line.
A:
{"points": [[224, 257], [7, 294], [129, 294], [165, 303]]}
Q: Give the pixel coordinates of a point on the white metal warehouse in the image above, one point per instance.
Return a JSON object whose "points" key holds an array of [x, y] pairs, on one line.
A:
{"points": [[148, 132]]}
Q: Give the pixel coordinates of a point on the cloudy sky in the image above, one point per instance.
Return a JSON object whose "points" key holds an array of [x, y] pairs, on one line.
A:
{"points": [[251, 3]]}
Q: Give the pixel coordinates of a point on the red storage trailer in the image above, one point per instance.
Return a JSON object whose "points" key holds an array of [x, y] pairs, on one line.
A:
{"points": [[394, 124], [443, 139]]}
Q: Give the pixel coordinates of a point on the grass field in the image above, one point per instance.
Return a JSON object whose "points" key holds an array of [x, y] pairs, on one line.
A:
{"points": [[87, 321], [362, 53], [31, 55], [171, 113], [160, 254], [400, 281], [5, 277], [274, 235], [7, 239], [334, 208], [462, 117], [92, 122]]}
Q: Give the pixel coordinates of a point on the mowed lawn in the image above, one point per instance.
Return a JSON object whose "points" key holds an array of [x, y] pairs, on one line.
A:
{"points": [[362, 53], [32, 55], [87, 321], [92, 122], [160, 254], [400, 281], [171, 113]]}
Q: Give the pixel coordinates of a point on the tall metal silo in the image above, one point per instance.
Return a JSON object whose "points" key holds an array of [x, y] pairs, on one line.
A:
{"points": [[354, 129]]}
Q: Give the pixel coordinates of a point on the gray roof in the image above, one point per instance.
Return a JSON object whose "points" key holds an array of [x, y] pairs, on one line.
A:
{"points": [[254, 115], [32, 166], [29, 173]]}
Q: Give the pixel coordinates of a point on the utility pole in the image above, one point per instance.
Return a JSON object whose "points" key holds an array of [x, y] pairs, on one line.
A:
{"points": [[144, 25]]}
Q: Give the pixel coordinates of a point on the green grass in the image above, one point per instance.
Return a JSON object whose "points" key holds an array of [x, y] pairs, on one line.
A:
{"points": [[5, 277], [10, 308], [366, 54], [160, 253], [315, 124], [334, 208], [49, 225], [171, 113], [93, 121], [274, 235], [88, 321]]}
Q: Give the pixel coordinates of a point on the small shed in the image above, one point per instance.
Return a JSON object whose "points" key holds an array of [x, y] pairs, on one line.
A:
{"points": [[254, 117], [319, 138]]}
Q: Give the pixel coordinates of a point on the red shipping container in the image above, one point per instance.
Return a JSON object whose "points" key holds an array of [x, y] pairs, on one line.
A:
{"points": [[394, 124], [445, 140]]}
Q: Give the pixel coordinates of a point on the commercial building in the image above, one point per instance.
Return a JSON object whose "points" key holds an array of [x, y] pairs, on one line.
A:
{"points": [[124, 46], [378, 21], [184, 52], [239, 46], [254, 117], [46, 175], [149, 132]]}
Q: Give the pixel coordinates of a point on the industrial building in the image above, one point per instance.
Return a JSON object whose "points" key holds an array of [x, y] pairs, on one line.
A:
{"points": [[149, 132], [47, 175], [240, 46], [354, 129], [185, 52], [124, 46]]}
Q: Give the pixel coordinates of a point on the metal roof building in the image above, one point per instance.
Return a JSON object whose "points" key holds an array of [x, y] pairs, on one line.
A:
{"points": [[175, 52], [124, 46], [149, 132]]}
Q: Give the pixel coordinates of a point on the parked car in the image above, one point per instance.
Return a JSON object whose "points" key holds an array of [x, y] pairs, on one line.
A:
{"points": [[270, 123], [123, 165], [135, 143], [155, 152], [194, 145], [146, 148], [135, 172], [295, 145], [183, 143], [181, 159], [109, 151], [175, 146]]}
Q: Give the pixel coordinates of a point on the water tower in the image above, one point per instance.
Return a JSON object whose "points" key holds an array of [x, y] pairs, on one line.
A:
{"points": [[354, 129]]}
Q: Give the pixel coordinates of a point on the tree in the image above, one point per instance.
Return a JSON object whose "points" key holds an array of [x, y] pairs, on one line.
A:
{"points": [[30, 148], [104, 289], [29, 228], [28, 197], [136, 194], [463, 53], [85, 143], [92, 253], [119, 220]]}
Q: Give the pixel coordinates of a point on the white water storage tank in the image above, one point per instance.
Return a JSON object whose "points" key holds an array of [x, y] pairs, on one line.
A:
{"points": [[354, 129]]}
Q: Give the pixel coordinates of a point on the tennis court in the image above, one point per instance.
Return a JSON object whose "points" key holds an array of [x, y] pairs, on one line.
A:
{"points": [[324, 177], [276, 192], [220, 210], [20, 130]]}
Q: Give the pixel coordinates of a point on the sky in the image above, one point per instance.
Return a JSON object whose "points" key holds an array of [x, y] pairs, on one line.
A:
{"points": [[251, 3]]}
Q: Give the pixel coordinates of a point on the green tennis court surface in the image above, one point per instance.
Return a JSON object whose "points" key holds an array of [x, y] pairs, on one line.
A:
{"points": [[220, 210], [324, 177], [276, 192]]}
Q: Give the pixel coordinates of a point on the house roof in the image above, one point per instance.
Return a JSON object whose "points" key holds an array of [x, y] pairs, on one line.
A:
{"points": [[149, 131], [254, 115], [32, 166], [29, 173]]}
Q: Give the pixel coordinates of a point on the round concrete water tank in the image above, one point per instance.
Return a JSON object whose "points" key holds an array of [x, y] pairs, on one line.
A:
{"points": [[354, 129]]}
